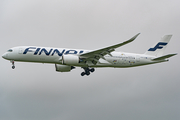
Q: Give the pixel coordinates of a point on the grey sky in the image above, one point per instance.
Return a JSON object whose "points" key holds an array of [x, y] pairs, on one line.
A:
{"points": [[37, 92]]}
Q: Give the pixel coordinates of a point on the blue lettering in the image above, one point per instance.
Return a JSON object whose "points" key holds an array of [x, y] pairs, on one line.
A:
{"points": [[27, 50], [57, 51], [37, 50], [71, 52], [45, 51], [81, 52]]}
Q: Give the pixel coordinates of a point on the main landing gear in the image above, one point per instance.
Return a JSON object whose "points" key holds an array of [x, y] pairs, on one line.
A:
{"points": [[13, 66], [87, 71]]}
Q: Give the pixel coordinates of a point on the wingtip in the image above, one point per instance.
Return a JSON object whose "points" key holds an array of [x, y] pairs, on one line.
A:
{"points": [[133, 38], [138, 34]]}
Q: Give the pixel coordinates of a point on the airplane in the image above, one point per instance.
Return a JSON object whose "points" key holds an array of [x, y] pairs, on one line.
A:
{"points": [[67, 59]]}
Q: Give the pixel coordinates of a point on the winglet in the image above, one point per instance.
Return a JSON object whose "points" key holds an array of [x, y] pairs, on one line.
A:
{"points": [[133, 38], [136, 36], [130, 40]]}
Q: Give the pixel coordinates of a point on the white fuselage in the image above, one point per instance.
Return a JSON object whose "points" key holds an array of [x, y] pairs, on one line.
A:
{"points": [[54, 56]]}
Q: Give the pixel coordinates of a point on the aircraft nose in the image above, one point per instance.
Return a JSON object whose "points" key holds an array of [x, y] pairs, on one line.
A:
{"points": [[4, 55]]}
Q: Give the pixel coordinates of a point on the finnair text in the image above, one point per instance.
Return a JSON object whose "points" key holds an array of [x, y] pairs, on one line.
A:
{"points": [[39, 51]]}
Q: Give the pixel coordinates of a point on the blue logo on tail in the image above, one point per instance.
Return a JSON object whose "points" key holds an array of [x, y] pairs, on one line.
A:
{"points": [[158, 46]]}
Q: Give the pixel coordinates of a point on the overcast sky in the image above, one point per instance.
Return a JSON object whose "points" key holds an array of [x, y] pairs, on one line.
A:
{"points": [[36, 91]]}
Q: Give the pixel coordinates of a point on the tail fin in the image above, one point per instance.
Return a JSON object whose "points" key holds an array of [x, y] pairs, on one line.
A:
{"points": [[160, 47]]}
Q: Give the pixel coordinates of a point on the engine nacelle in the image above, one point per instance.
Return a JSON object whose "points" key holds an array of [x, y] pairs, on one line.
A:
{"points": [[63, 68], [70, 59]]}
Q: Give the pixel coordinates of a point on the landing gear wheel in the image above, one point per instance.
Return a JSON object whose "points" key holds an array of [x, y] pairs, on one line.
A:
{"points": [[92, 70], [83, 73], [87, 73], [13, 67]]}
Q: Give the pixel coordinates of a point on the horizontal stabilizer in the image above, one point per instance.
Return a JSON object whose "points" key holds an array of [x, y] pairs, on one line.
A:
{"points": [[164, 57]]}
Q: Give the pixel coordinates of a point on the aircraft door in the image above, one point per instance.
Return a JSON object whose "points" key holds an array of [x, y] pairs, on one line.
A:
{"points": [[20, 51]]}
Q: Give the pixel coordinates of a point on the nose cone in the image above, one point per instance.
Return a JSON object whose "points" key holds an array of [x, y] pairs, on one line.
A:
{"points": [[4, 56]]}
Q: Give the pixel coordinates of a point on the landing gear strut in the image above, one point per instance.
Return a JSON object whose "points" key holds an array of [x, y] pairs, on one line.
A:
{"points": [[87, 71], [13, 66]]}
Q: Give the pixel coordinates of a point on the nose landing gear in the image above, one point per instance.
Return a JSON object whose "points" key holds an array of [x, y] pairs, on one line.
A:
{"points": [[87, 71], [13, 66]]}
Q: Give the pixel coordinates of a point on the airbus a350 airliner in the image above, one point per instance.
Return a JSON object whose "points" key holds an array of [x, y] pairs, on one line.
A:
{"points": [[67, 59]]}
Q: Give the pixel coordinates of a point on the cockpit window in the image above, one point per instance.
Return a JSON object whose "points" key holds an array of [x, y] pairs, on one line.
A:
{"points": [[10, 50]]}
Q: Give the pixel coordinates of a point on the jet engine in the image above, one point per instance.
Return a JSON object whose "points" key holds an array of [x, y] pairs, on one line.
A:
{"points": [[63, 68], [70, 59]]}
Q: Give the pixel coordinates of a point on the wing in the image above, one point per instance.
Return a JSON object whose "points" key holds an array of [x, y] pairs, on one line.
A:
{"points": [[95, 55]]}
